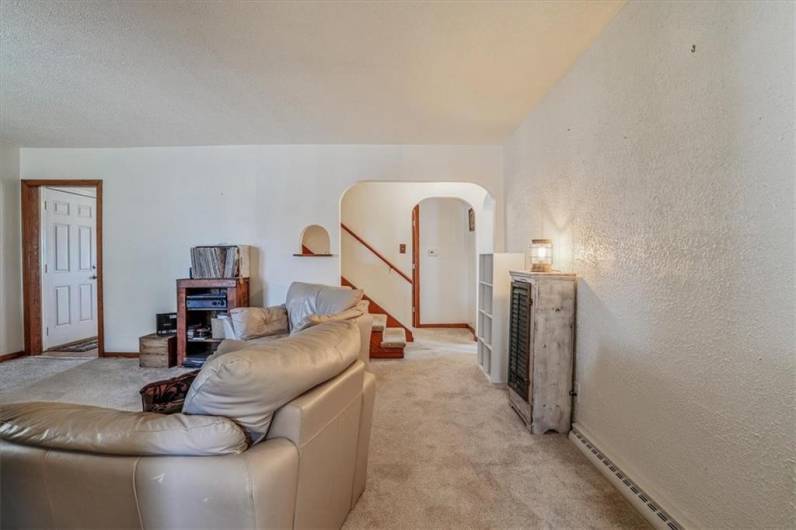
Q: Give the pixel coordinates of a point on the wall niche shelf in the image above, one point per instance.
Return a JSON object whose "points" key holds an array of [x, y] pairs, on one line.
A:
{"points": [[315, 243]]}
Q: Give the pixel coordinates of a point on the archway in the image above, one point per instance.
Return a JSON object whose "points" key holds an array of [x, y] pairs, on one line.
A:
{"points": [[375, 242]]}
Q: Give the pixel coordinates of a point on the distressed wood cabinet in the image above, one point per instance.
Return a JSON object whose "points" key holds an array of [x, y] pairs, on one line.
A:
{"points": [[541, 349]]}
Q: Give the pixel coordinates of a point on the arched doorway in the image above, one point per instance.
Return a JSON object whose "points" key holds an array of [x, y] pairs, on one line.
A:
{"points": [[377, 234], [444, 263]]}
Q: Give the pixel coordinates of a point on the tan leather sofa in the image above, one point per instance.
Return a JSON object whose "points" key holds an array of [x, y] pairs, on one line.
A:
{"points": [[71, 466], [306, 304]]}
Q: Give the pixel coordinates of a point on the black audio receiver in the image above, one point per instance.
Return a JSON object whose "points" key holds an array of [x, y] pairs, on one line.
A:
{"points": [[206, 302]]}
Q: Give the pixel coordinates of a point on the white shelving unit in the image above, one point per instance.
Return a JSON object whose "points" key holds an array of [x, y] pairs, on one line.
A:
{"points": [[494, 289]]}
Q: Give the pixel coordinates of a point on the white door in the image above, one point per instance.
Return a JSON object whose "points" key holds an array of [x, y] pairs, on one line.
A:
{"points": [[69, 286]]}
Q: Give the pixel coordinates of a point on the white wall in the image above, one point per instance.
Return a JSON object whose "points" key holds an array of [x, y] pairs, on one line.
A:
{"points": [[11, 339], [665, 178], [447, 278], [158, 202], [381, 214]]}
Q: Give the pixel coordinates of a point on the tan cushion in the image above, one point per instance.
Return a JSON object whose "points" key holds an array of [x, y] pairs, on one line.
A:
{"points": [[262, 341], [306, 299], [314, 320], [249, 385], [230, 345], [252, 322], [106, 431], [363, 305]]}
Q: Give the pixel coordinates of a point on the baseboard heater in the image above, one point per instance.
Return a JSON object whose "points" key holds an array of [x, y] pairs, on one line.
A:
{"points": [[650, 509]]}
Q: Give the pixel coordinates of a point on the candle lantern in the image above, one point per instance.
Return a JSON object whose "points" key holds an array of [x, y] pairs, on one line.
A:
{"points": [[541, 255]]}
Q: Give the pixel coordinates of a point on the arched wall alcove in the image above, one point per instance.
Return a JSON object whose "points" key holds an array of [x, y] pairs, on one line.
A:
{"points": [[315, 241]]}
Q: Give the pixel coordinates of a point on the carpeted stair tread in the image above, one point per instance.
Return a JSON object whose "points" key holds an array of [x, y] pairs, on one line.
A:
{"points": [[393, 338], [379, 322]]}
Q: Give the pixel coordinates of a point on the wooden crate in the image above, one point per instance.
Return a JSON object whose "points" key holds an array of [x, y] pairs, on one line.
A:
{"points": [[157, 351]]}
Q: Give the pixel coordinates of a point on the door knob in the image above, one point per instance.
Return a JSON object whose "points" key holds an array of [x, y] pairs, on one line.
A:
{"points": [[94, 277]]}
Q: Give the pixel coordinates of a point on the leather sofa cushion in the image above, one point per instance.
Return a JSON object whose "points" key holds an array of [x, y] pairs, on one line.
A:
{"points": [[252, 322], [314, 320], [227, 346], [71, 427], [249, 385], [230, 345], [306, 299]]}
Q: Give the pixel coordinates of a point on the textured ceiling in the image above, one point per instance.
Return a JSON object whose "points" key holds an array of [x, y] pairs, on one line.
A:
{"points": [[95, 74]]}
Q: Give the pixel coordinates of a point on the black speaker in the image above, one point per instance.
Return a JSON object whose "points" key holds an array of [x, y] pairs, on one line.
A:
{"points": [[166, 323]]}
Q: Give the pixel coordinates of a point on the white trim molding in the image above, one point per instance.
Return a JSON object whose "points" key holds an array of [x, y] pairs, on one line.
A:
{"points": [[650, 509]]}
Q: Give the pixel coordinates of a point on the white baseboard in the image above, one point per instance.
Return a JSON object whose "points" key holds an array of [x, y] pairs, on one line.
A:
{"points": [[641, 501]]}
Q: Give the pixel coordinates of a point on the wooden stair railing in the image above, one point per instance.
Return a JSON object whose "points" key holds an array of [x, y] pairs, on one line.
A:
{"points": [[376, 253], [377, 351]]}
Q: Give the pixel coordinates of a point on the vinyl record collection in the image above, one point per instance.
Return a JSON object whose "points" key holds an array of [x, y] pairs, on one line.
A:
{"points": [[219, 261]]}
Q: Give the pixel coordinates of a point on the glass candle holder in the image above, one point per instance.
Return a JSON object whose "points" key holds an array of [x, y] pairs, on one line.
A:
{"points": [[541, 255]]}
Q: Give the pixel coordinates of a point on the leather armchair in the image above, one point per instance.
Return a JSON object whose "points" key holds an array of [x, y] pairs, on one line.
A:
{"points": [[70, 466]]}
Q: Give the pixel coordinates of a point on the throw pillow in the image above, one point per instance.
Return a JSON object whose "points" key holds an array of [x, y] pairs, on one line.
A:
{"points": [[252, 322], [306, 299], [314, 320]]}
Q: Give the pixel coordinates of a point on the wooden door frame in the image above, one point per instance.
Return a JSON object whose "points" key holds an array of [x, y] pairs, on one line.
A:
{"points": [[416, 266], [31, 261]]}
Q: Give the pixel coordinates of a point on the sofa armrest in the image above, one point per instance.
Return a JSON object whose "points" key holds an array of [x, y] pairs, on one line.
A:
{"points": [[363, 441], [303, 418], [256, 489], [69, 427], [365, 323], [69, 489], [324, 426]]}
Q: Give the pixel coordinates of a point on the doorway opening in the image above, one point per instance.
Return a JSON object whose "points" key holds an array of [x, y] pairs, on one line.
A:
{"points": [[62, 266], [376, 250], [444, 264]]}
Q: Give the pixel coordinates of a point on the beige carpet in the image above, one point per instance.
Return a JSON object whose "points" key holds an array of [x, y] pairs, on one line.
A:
{"points": [[446, 449], [110, 383], [448, 452]]}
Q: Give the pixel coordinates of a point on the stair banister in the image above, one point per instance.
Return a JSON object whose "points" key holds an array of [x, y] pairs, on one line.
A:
{"points": [[376, 253]]}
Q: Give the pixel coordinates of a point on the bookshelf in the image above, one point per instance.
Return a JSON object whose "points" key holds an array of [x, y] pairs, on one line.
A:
{"points": [[494, 288], [229, 293]]}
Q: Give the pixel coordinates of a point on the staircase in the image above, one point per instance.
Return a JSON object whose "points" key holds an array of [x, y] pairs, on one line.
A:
{"points": [[388, 337]]}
